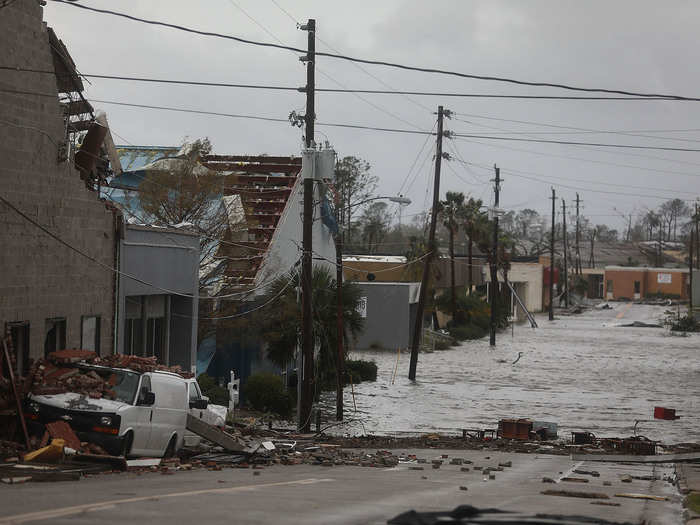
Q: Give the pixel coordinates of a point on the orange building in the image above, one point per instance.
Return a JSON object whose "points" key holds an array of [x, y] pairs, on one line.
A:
{"points": [[622, 282]]}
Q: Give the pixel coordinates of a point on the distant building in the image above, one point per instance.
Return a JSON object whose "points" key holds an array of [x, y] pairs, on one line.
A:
{"points": [[622, 282]]}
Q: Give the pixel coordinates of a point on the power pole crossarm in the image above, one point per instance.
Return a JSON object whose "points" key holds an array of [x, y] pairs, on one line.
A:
{"points": [[425, 281]]}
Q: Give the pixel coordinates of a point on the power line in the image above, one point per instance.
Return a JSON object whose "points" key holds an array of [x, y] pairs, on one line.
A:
{"points": [[339, 90], [573, 143], [374, 62]]}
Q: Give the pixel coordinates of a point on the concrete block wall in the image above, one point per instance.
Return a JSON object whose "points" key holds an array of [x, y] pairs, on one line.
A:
{"points": [[40, 278]]}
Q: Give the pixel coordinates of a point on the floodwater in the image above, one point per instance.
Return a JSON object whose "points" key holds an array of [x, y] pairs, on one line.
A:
{"points": [[581, 371]]}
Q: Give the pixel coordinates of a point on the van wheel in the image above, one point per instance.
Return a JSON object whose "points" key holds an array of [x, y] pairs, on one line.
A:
{"points": [[128, 442], [170, 449]]}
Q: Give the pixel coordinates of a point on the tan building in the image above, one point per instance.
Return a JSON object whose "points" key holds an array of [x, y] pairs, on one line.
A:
{"points": [[623, 282]]}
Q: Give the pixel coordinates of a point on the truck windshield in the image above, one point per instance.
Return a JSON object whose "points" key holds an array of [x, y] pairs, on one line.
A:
{"points": [[125, 386]]}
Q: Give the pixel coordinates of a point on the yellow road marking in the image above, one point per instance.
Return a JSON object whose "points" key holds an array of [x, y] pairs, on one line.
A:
{"points": [[88, 507], [624, 311]]}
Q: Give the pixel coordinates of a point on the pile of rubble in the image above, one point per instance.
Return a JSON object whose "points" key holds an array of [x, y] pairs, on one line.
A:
{"points": [[58, 374]]}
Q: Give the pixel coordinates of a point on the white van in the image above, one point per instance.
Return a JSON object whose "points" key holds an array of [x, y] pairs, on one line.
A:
{"points": [[147, 417]]}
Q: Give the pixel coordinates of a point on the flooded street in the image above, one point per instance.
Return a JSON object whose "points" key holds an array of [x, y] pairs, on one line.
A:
{"points": [[581, 371]]}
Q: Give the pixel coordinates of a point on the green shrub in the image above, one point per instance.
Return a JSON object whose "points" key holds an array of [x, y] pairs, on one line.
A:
{"points": [[218, 395], [467, 332], [266, 393], [360, 370]]}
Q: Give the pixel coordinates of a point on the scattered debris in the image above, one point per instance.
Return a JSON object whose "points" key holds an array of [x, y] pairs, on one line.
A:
{"points": [[573, 494], [642, 496], [574, 480], [606, 503]]}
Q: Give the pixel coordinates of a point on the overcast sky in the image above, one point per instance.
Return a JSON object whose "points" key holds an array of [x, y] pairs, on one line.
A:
{"points": [[632, 45]]}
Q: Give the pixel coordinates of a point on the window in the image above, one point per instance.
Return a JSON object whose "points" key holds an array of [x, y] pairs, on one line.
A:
{"points": [[146, 326], [55, 335], [194, 392], [19, 332], [90, 333], [637, 286], [610, 286], [145, 387]]}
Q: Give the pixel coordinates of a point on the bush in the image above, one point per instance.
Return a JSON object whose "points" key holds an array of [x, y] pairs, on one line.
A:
{"points": [[360, 370], [685, 324], [467, 332], [266, 393], [218, 395]]}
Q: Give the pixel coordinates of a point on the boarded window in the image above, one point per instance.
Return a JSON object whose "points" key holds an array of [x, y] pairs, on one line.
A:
{"points": [[90, 333]]}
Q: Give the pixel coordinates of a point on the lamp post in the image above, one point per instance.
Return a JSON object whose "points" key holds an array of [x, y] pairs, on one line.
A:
{"points": [[340, 369]]}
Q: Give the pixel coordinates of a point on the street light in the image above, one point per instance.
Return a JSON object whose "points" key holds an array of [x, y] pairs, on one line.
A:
{"points": [[340, 369]]}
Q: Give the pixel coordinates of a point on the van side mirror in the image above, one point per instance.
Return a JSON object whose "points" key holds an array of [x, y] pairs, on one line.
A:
{"points": [[199, 404], [146, 398]]}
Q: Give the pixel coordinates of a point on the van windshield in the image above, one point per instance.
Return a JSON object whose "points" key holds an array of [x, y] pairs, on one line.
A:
{"points": [[122, 382], [125, 386]]}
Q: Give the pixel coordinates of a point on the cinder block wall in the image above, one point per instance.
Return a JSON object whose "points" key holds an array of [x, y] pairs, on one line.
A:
{"points": [[39, 278]]}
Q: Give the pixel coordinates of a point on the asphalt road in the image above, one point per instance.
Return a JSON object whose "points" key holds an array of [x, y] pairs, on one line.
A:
{"points": [[341, 494]]}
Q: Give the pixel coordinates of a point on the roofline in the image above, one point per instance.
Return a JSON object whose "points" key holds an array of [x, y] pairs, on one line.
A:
{"points": [[647, 268], [155, 228]]}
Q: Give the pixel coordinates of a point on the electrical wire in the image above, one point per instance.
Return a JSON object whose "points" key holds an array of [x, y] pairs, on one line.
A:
{"points": [[373, 62], [339, 91]]}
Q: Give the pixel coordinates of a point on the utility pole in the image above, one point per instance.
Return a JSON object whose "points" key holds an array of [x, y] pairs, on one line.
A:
{"points": [[565, 285], [551, 261], [690, 267], [340, 372], [307, 336], [418, 325], [494, 257], [697, 238], [579, 270]]}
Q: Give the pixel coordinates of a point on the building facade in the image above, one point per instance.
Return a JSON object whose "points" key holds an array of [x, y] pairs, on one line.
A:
{"points": [[631, 283], [159, 318], [51, 296]]}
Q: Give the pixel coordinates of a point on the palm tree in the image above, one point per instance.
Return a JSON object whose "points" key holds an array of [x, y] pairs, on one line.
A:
{"points": [[474, 220], [278, 324], [452, 210]]}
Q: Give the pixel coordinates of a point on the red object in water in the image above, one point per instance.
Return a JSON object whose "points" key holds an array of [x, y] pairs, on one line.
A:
{"points": [[665, 413]]}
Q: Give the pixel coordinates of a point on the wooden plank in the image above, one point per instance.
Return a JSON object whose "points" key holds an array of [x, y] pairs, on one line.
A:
{"points": [[11, 373], [214, 435]]}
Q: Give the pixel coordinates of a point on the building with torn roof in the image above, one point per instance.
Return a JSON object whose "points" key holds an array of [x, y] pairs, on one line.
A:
{"points": [[260, 205]]}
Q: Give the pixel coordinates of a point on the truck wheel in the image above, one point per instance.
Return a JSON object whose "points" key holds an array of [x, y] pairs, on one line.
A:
{"points": [[170, 449], [128, 442]]}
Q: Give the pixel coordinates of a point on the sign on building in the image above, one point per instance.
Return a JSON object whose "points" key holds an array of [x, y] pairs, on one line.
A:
{"points": [[663, 278], [362, 307]]}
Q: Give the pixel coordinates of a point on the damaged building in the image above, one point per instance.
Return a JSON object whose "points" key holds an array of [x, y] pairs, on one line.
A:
{"points": [[59, 240]]}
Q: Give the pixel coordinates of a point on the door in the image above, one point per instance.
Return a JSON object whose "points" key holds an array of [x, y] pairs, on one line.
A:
{"points": [[169, 411], [142, 417], [195, 395]]}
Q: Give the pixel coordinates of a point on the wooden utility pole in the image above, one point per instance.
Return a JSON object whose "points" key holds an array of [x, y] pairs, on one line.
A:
{"points": [[494, 257], [697, 238], [340, 372], [551, 260], [565, 284], [690, 267], [418, 325], [307, 336], [579, 269]]}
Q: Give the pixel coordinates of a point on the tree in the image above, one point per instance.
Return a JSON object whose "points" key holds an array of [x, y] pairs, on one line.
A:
{"points": [[180, 191], [453, 212], [672, 210], [354, 184], [606, 234], [278, 324], [374, 224]]}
